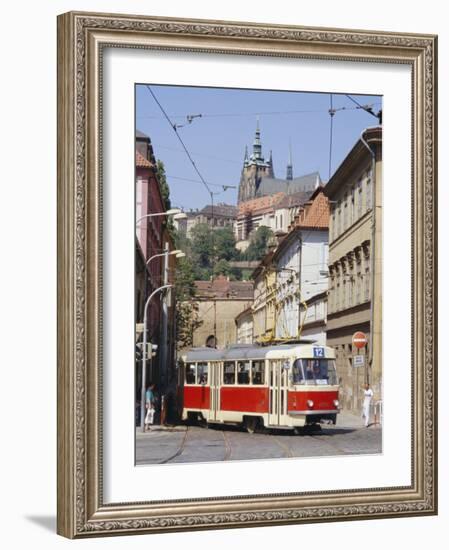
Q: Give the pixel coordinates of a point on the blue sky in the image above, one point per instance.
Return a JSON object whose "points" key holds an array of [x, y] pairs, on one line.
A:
{"points": [[217, 139]]}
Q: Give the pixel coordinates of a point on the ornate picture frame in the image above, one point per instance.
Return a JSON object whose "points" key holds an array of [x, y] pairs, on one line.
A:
{"points": [[82, 39]]}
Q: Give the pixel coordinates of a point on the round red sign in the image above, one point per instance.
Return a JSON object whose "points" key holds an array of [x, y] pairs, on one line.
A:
{"points": [[359, 340]]}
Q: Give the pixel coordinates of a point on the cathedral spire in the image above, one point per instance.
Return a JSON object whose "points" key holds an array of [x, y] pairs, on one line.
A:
{"points": [[245, 159], [289, 175], [257, 146]]}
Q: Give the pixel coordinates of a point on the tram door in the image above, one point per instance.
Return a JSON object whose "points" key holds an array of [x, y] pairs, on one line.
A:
{"points": [[278, 384], [215, 378]]}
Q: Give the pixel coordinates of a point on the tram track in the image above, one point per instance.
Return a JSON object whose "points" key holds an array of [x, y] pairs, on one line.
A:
{"points": [[283, 446], [331, 444], [179, 451]]}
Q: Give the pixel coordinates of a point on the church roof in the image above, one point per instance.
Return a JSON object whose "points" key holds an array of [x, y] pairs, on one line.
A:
{"points": [[294, 199], [260, 203], [308, 182]]}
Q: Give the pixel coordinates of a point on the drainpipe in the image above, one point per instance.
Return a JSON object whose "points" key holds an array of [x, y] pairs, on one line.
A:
{"points": [[372, 251]]}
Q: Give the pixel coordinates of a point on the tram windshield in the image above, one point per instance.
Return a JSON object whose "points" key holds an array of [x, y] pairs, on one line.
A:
{"points": [[314, 371]]}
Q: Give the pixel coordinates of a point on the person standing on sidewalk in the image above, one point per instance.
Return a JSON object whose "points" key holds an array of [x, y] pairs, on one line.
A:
{"points": [[368, 396], [150, 406]]}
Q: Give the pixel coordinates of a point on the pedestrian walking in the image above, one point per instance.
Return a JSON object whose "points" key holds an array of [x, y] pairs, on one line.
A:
{"points": [[368, 396], [150, 403]]}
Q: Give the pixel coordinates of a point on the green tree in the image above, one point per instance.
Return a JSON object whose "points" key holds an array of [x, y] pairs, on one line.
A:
{"points": [[165, 192], [222, 267], [224, 244], [259, 243], [163, 185], [202, 245]]}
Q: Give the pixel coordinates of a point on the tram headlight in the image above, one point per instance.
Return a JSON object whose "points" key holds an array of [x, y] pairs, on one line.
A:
{"points": [[336, 403], [310, 403]]}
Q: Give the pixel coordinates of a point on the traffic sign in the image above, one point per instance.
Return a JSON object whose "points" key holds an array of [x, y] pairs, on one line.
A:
{"points": [[359, 339], [358, 361]]}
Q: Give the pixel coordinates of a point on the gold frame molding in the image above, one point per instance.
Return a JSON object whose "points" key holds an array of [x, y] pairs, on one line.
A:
{"points": [[81, 39]]}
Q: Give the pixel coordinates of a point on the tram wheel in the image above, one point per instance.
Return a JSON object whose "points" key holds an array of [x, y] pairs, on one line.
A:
{"points": [[251, 424]]}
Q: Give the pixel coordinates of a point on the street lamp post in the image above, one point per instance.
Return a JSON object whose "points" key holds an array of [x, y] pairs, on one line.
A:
{"points": [[144, 354], [163, 347], [177, 212]]}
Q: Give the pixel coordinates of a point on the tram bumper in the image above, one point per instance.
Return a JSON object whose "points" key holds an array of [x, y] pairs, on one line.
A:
{"points": [[302, 418]]}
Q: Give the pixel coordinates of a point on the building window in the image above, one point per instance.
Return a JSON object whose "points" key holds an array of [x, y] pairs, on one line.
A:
{"points": [[359, 199], [368, 191], [350, 291], [358, 285], [345, 214], [339, 220], [352, 206], [367, 284]]}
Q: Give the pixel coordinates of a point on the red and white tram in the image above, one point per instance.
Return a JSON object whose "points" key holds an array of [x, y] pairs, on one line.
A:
{"points": [[282, 386]]}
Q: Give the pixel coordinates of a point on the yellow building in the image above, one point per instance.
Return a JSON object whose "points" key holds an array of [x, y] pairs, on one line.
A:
{"points": [[264, 306]]}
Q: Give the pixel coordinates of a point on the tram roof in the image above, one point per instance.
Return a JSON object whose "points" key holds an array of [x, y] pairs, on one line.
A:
{"points": [[241, 351]]}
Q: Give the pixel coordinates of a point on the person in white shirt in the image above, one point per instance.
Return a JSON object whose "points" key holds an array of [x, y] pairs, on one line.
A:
{"points": [[368, 393]]}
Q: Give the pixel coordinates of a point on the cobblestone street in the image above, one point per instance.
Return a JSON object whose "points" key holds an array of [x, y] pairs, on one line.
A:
{"points": [[181, 444]]}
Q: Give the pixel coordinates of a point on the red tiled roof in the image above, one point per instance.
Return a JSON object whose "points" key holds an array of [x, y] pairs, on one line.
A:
{"points": [[141, 161], [317, 213], [260, 203], [221, 287]]}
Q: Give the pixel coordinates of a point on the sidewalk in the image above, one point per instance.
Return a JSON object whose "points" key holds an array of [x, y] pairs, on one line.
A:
{"points": [[161, 428], [346, 419]]}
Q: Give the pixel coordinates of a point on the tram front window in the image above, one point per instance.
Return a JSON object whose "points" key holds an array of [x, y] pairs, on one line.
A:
{"points": [[314, 371]]}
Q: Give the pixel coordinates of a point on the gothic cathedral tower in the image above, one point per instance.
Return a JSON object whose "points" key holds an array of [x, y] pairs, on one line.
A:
{"points": [[255, 167]]}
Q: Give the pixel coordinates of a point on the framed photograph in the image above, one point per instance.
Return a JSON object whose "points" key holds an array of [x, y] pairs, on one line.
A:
{"points": [[246, 274]]}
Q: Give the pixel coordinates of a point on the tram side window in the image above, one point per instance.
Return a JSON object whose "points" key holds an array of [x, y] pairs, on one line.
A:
{"points": [[258, 372], [190, 373], [297, 372], [243, 368], [229, 372], [203, 372]]}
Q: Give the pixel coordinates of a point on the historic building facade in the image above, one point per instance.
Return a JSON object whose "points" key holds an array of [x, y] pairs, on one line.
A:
{"points": [[220, 301], [264, 306], [152, 270], [355, 257], [314, 318], [245, 326], [301, 261], [217, 216]]}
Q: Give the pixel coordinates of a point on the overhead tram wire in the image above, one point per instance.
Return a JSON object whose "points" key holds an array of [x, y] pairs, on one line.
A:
{"points": [[367, 108], [173, 126], [267, 113]]}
